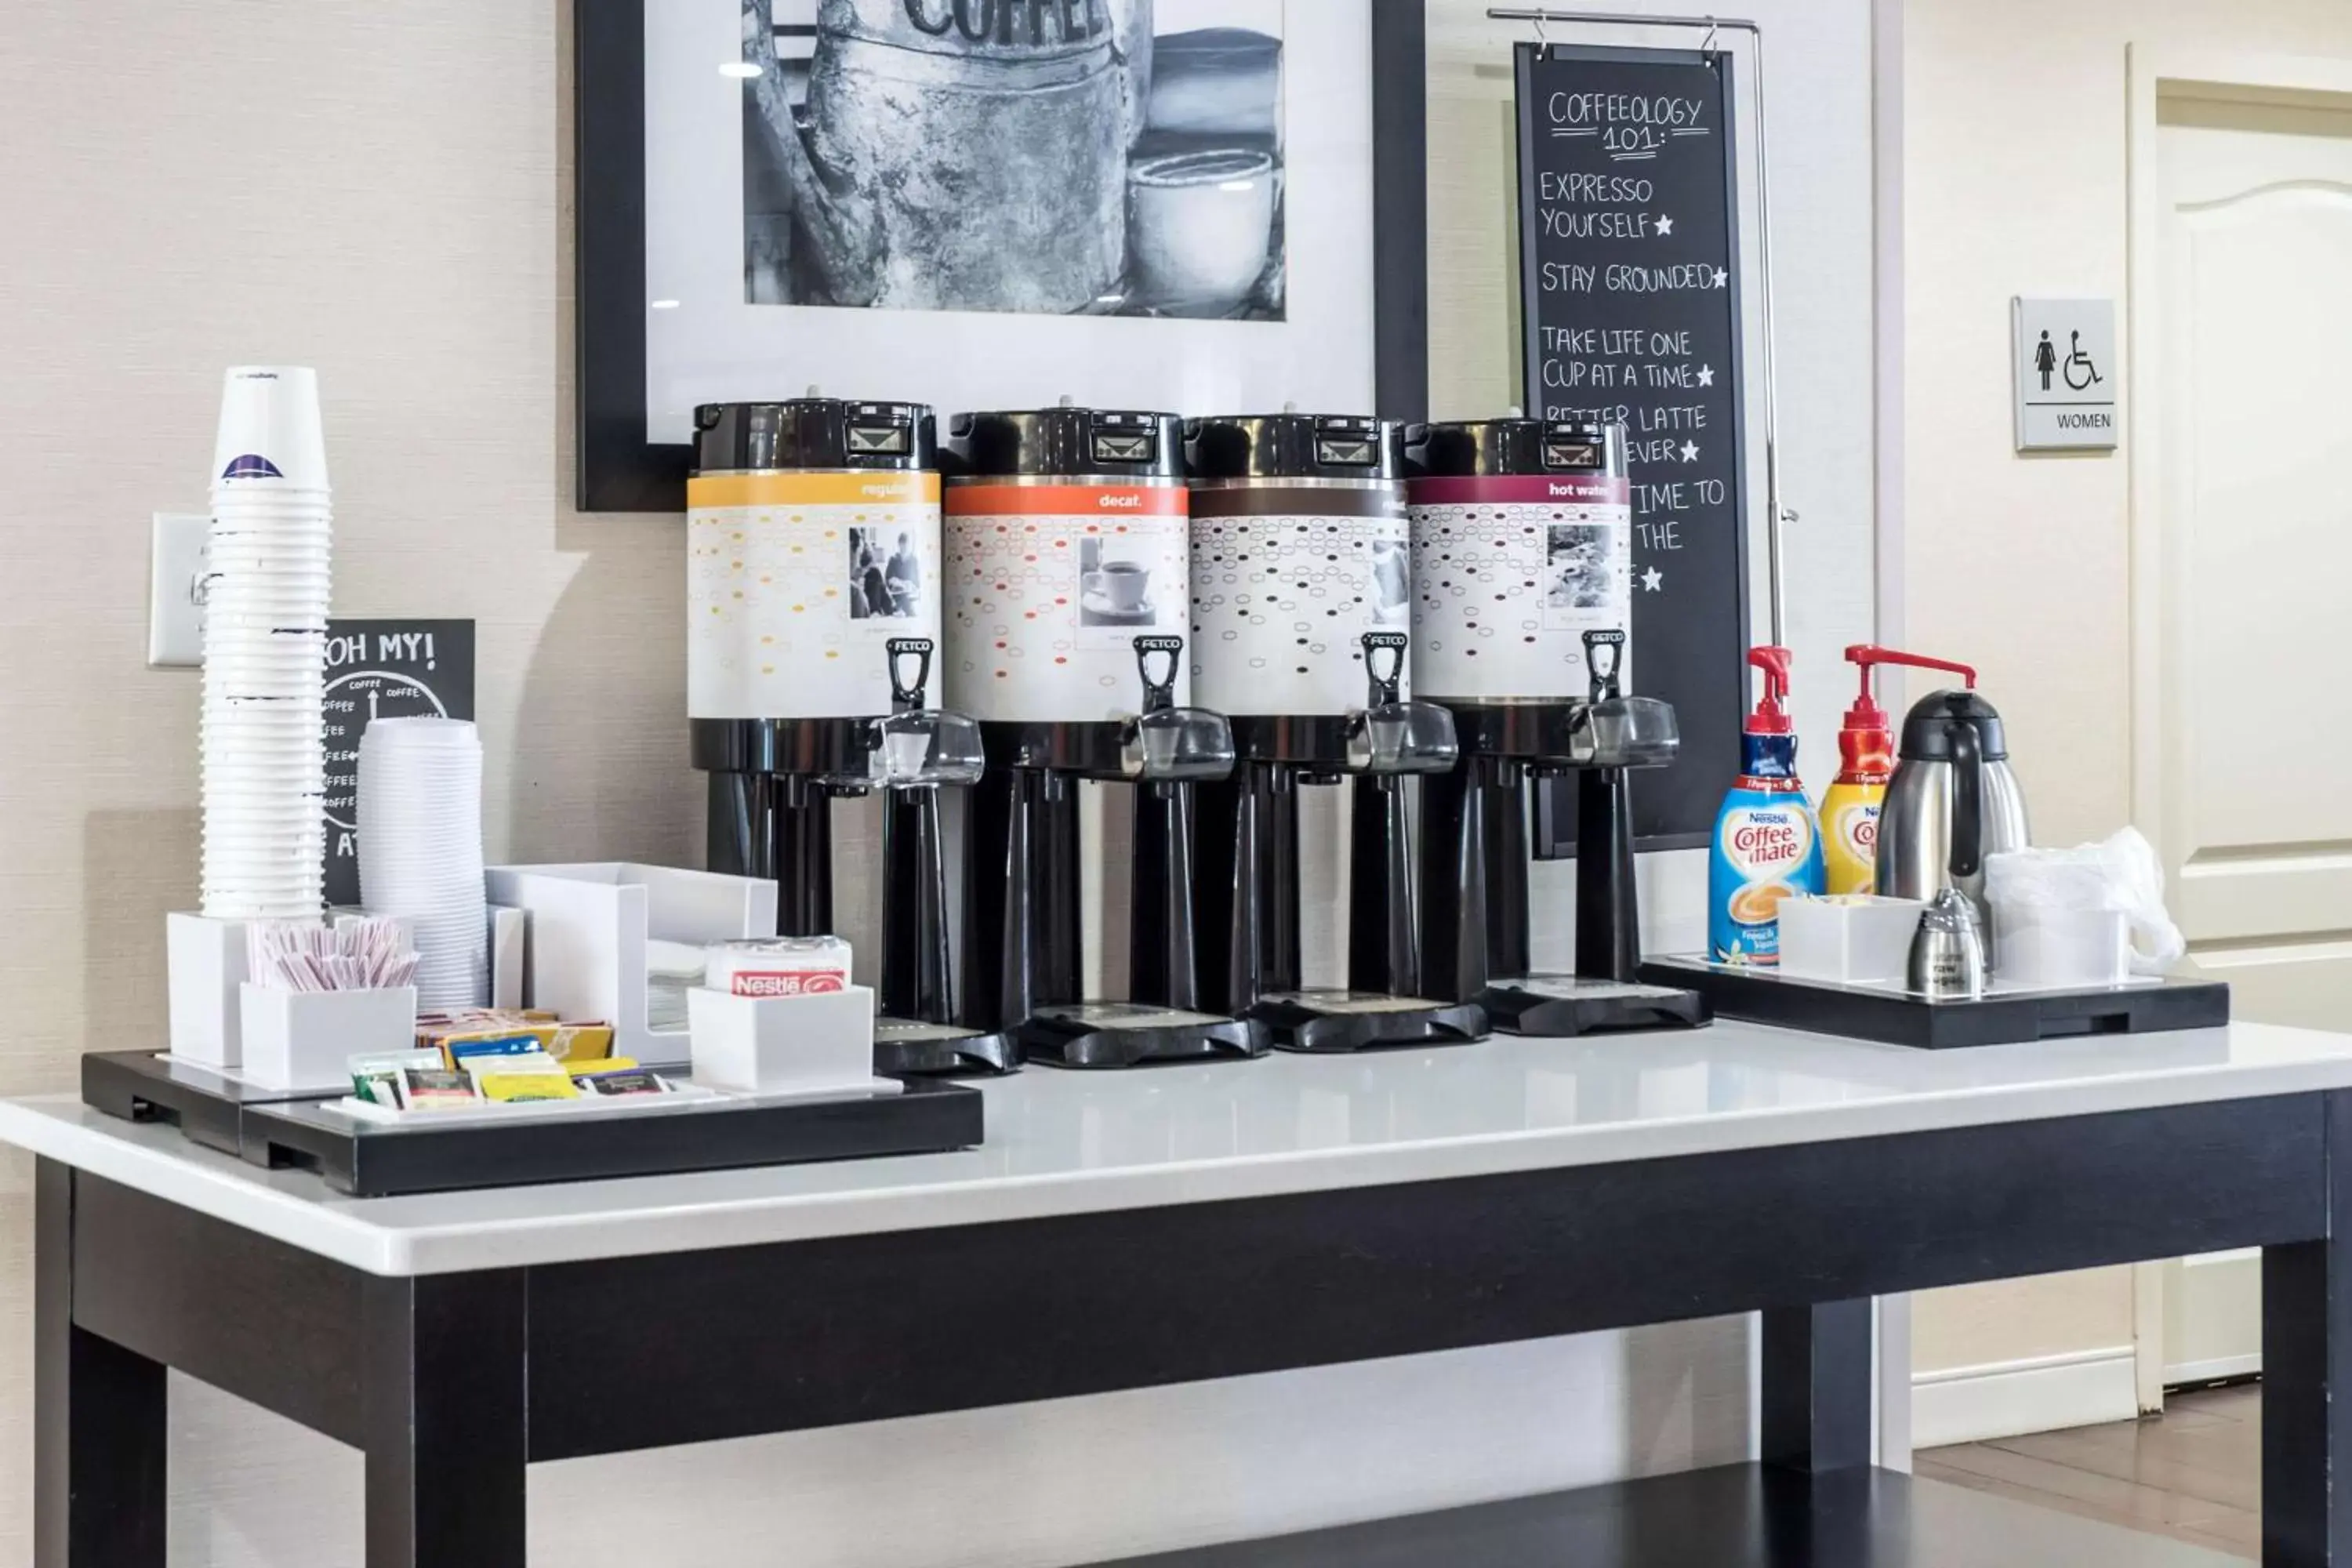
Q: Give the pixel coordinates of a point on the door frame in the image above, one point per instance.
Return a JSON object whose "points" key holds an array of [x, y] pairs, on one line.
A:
{"points": [[2154, 74]]}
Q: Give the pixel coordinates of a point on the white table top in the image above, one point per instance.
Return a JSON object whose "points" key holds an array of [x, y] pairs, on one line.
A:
{"points": [[1066, 1143]]}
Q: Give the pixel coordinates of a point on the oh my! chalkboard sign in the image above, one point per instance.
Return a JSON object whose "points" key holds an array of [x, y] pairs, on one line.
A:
{"points": [[1630, 282]]}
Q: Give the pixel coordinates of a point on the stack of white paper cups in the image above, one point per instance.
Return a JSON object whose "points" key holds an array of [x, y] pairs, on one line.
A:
{"points": [[420, 799], [266, 585]]}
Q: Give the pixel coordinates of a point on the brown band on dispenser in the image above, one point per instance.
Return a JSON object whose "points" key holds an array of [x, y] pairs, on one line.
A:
{"points": [[1257, 499]]}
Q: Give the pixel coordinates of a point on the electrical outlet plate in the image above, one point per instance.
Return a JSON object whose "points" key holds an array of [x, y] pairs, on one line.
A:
{"points": [[175, 615]]}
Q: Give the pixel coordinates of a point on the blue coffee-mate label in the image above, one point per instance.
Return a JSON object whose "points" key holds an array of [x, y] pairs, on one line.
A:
{"points": [[1767, 848]]}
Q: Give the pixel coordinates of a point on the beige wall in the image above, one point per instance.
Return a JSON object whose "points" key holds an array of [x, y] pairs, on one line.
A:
{"points": [[2014, 183]]}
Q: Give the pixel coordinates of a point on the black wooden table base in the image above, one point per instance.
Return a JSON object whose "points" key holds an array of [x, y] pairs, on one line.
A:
{"points": [[452, 1384]]}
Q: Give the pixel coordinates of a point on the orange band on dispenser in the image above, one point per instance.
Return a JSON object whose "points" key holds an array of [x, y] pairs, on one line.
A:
{"points": [[1066, 500], [829, 489]]}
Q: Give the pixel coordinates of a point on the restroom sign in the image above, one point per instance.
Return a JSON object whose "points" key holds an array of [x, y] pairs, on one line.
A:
{"points": [[2067, 375]]}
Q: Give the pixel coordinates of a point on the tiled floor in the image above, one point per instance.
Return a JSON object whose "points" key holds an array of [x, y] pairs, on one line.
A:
{"points": [[2194, 1473]]}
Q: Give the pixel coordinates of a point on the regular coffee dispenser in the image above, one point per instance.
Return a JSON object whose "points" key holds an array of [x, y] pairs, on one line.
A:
{"points": [[1521, 608], [1069, 573], [1300, 596], [813, 655]]}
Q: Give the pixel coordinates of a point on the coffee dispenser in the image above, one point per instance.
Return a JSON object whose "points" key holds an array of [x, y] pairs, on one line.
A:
{"points": [[1522, 566], [1301, 588], [812, 587], [1069, 571]]}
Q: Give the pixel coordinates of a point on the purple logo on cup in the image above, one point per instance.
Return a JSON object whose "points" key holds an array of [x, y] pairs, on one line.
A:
{"points": [[251, 466]]}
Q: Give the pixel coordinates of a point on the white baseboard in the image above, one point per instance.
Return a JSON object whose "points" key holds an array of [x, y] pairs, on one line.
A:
{"points": [[2008, 1399], [2207, 1370]]}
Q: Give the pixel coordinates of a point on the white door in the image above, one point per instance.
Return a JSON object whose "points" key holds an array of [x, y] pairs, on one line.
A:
{"points": [[2242, 544]]}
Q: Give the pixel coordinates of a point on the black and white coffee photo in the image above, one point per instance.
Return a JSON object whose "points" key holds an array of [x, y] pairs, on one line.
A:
{"points": [[885, 575], [879, 165], [1578, 570], [1115, 586], [1392, 582]]}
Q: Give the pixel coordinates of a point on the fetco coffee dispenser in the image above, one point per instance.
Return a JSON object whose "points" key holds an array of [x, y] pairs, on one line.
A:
{"points": [[812, 592], [1522, 567], [1301, 588], [1068, 577]]}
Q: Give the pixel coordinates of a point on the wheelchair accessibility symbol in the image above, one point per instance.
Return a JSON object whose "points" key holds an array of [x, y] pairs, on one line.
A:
{"points": [[2081, 371]]}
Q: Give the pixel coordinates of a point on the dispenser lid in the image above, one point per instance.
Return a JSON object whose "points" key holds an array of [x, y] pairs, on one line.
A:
{"points": [[1067, 443], [1927, 729], [1531, 447], [1292, 445], [814, 433]]}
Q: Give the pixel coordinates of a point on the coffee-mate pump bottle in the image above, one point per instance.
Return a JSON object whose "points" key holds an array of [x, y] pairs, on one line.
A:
{"points": [[1767, 843]]}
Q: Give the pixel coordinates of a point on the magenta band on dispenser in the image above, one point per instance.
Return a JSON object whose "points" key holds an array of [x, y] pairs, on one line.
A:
{"points": [[1520, 489]]}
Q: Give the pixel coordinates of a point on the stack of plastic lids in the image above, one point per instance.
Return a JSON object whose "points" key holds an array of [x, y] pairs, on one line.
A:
{"points": [[266, 594], [420, 807]]}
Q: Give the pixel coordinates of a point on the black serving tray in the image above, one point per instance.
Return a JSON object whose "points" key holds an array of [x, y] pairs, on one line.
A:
{"points": [[144, 1086], [1894, 1016], [368, 1159]]}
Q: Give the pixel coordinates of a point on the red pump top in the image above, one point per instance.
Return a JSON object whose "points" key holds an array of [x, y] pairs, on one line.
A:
{"points": [[1866, 713], [1770, 717], [1866, 743]]}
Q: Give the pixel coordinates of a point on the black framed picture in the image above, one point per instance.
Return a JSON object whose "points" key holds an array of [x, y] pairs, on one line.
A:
{"points": [[1189, 205]]}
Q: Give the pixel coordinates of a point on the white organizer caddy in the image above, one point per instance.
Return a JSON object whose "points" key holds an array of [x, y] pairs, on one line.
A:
{"points": [[585, 953]]}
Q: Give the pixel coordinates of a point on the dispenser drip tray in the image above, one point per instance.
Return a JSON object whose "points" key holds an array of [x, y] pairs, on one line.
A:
{"points": [[1134, 1034], [1321, 1022], [904, 1047], [1564, 1006]]}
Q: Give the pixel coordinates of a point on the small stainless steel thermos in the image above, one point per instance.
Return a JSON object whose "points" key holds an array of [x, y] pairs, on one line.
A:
{"points": [[1947, 958]]}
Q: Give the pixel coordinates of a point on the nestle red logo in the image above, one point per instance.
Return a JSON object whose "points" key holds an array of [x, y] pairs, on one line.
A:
{"points": [[787, 982]]}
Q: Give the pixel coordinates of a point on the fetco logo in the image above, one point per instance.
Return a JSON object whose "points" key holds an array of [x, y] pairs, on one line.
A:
{"points": [[787, 982]]}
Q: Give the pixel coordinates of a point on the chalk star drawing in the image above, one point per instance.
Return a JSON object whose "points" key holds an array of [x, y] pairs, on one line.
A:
{"points": [[1706, 375], [1666, 224], [1651, 579], [1690, 451], [1721, 277]]}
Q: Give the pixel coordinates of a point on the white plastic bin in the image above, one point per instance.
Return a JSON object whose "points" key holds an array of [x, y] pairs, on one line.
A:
{"points": [[589, 923], [782, 1045], [305, 1039]]}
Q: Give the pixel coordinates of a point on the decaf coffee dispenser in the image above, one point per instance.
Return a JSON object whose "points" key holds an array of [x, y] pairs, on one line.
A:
{"points": [[1522, 567], [1300, 589], [813, 589], [1068, 581]]}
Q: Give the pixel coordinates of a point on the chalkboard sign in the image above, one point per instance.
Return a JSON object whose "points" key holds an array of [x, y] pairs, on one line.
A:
{"points": [[383, 670], [1628, 263]]}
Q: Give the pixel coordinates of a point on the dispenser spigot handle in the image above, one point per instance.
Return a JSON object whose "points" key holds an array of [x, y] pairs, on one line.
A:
{"points": [[1160, 692], [907, 696], [1604, 672], [1387, 686]]}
